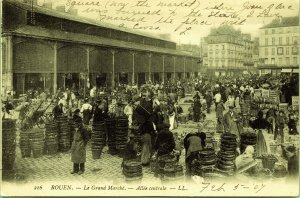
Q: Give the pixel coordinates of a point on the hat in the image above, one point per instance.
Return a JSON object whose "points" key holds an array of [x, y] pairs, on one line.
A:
{"points": [[76, 111], [163, 126]]}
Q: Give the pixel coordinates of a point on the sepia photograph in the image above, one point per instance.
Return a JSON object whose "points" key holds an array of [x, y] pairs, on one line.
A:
{"points": [[150, 98]]}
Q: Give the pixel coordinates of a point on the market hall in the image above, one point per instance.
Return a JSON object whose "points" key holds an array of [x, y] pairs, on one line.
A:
{"points": [[48, 49]]}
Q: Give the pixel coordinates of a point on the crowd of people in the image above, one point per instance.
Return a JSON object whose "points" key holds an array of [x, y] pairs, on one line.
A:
{"points": [[153, 109]]}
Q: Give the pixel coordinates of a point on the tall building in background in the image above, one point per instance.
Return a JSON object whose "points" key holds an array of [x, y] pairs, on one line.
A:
{"points": [[229, 51], [278, 46]]}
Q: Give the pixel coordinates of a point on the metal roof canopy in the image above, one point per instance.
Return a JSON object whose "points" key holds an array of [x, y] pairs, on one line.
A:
{"points": [[43, 33], [67, 16]]}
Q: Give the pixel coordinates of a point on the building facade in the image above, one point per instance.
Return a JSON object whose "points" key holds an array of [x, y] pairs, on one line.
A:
{"points": [[228, 51], [47, 49], [279, 46]]}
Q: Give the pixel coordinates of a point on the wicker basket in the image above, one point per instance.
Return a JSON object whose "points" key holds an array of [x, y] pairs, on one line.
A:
{"points": [[269, 161]]}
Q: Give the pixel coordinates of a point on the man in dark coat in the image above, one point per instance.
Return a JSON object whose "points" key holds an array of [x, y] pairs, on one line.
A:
{"points": [[193, 143], [78, 148], [293, 162], [99, 112], [57, 110], [165, 142], [147, 131], [197, 110]]}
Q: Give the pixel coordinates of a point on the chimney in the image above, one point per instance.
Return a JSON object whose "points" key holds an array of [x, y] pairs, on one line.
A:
{"points": [[61, 8]]}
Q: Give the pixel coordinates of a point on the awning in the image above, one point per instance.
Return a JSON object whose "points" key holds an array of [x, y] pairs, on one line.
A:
{"points": [[290, 70]]}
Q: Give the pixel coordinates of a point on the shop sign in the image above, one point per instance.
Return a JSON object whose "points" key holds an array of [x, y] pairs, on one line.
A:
{"points": [[283, 106], [257, 93], [295, 100], [265, 93]]}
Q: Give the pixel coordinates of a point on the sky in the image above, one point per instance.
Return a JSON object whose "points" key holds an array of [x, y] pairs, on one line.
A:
{"points": [[185, 21]]}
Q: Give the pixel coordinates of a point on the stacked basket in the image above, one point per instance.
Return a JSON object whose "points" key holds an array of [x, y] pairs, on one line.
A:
{"points": [[25, 144], [8, 143], [63, 134], [121, 133], [248, 139], [98, 139], [132, 170], [206, 158], [173, 174], [36, 137], [111, 135], [166, 165], [51, 137], [227, 153]]}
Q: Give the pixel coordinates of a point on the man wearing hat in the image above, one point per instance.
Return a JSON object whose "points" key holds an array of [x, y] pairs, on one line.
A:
{"points": [[78, 148], [86, 110], [231, 120]]}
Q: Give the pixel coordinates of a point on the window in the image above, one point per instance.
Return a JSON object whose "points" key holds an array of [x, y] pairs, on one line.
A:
{"points": [[266, 51], [280, 40], [210, 63], [295, 50], [217, 46], [273, 41], [266, 42], [279, 50], [273, 51], [295, 61], [280, 61], [223, 63], [272, 61], [295, 40], [266, 61], [273, 31], [266, 31], [287, 59], [287, 50], [223, 47], [217, 63], [287, 40]]}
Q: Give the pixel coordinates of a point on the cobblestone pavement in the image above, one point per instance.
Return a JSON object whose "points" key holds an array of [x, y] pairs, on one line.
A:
{"points": [[58, 167]]}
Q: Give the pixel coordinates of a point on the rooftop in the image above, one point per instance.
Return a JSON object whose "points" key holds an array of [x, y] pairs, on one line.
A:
{"points": [[283, 22], [68, 16]]}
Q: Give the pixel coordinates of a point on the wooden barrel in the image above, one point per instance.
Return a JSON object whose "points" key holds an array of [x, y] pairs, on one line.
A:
{"points": [[25, 144], [37, 142], [8, 143], [63, 134], [51, 138]]}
